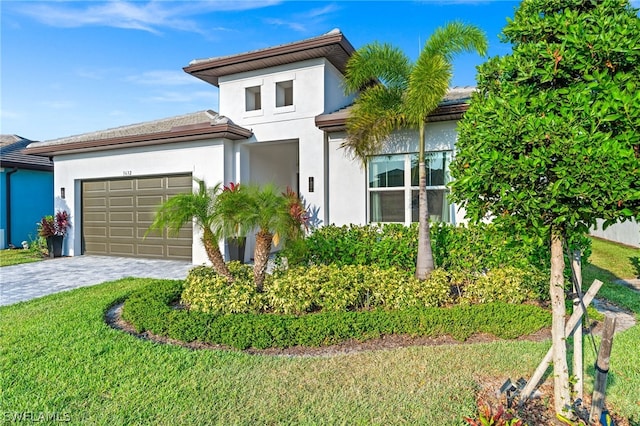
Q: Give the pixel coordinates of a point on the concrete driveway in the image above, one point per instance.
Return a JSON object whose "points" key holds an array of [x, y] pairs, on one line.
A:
{"points": [[30, 280]]}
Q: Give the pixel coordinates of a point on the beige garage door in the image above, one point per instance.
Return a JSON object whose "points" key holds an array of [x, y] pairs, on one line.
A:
{"points": [[116, 214]]}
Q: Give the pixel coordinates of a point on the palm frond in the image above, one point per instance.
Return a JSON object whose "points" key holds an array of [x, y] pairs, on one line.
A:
{"points": [[377, 63], [454, 38], [428, 85]]}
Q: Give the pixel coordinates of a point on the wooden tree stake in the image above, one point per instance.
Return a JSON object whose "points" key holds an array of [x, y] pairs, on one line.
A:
{"points": [[576, 316], [602, 369], [578, 368]]}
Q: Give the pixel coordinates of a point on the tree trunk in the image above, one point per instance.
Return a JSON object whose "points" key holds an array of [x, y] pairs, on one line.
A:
{"points": [[261, 257], [214, 254], [424, 263], [556, 291]]}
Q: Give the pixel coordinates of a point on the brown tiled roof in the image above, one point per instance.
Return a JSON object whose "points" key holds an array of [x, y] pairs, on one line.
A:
{"points": [[332, 45], [195, 126], [452, 107], [12, 154]]}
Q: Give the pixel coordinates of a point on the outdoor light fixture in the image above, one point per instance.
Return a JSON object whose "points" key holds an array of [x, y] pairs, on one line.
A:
{"points": [[310, 183], [62, 193]]}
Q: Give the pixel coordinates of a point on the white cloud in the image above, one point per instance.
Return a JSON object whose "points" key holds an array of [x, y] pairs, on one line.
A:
{"points": [[6, 114], [151, 16], [307, 21]]}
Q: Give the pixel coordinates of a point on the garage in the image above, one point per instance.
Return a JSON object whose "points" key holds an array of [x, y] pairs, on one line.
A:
{"points": [[116, 214]]}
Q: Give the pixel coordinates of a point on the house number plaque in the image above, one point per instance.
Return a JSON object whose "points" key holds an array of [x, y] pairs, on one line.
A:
{"points": [[126, 173]]}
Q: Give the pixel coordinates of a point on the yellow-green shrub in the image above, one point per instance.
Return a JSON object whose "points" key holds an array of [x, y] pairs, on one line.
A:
{"points": [[206, 291]]}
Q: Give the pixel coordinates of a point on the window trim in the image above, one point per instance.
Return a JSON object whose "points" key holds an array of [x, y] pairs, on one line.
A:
{"points": [[408, 188]]}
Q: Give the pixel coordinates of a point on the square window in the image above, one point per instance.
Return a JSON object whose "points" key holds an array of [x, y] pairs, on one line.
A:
{"points": [[386, 171], [284, 93], [253, 100], [386, 206]]}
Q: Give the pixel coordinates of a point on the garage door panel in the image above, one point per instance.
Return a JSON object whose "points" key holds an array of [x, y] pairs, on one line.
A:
{"points": [[121, 185], [126, 217], [121, 201], [121, 232], [151, 183], [95, 231], [178, 251], [179, 183], [121, 249], [150, 201], [151, 250], [117, 214]]}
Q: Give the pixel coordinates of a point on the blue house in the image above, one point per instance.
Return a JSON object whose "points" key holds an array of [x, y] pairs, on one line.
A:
{"points": [[26, 188]]}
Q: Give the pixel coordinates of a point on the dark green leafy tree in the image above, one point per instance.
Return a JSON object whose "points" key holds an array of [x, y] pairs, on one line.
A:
{"points": [[394, 93], [551, 141]]}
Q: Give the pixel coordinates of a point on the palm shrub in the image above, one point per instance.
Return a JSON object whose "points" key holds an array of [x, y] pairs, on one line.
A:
{"points": [[200, 207], [276, 216]]}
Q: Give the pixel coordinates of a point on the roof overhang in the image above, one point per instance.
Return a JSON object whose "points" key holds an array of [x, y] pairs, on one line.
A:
{"points": [[188, 133], [333, 46], [337, 121]]}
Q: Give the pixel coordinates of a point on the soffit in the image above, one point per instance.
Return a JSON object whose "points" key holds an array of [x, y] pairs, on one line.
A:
{"points": [[333, 46]]}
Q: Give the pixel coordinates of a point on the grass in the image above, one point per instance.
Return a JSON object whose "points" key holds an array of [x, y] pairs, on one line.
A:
{"points": [[58, 356], [608, 263], [17, 256]]}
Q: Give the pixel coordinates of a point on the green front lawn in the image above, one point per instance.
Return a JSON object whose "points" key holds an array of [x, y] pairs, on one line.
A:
{"points": [[58, 356], [18, 256]]}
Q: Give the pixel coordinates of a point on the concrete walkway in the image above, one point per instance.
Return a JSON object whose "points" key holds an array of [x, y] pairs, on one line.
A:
{"points": [[30, 280]]}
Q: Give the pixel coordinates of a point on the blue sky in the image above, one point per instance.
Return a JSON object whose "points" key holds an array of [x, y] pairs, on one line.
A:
{"points": [[75, 67]]}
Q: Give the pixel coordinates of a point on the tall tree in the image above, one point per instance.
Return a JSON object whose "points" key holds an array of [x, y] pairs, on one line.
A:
{"points": [[394, 93], [551, 140], [198, 206]]}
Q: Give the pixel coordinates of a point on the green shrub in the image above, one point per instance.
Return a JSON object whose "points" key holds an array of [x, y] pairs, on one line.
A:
{"points": [[150, 309], [477, 247], [207, 291]]}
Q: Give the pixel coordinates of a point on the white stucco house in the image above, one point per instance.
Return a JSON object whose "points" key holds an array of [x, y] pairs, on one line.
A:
{"points": [[281, 119]]}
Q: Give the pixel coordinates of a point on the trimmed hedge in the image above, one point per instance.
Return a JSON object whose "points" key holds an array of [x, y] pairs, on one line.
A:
{"points": [[149, 309], [474, 247], [300, 290]]}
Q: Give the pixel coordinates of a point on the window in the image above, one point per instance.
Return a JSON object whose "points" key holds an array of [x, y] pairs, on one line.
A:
{"points": [[253, 101], [393, 187], [284, 93]]}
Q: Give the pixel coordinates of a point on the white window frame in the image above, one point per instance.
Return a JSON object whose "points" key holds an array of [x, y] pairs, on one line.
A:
{"points": [[407, 188]]}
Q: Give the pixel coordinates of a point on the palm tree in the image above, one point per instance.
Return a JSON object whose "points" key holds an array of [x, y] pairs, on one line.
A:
{"points": [[199, 206], [268, 210], [394, 93]]}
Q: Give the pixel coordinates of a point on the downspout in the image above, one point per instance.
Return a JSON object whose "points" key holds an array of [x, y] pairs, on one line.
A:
{"points": [[8, 205]]}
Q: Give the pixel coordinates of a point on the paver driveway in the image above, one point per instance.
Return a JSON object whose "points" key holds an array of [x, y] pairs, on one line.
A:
{"points": [[30, 280]]}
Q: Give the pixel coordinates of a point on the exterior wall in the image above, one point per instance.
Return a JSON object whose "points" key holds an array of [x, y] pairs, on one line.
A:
{"points": [[291, 124], [348, 179], [31, 199], [625, 233], [347, 185], [204, 159]]}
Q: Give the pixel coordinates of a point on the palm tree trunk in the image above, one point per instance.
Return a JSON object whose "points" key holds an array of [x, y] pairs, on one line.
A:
{"points": [[261, 257], [561, 394], [214, 254], [424, 263]]}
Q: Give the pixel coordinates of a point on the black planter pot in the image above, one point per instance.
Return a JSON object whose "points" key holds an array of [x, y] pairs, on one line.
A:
{"points": [[236, 248], [54, 245]]}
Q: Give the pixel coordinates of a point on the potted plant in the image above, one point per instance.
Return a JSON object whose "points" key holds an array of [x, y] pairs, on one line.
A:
{"points": [[54, 228], [230, 205]]}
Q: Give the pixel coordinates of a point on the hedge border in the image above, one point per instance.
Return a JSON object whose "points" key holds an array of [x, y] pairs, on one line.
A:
{"points": [[151, 309]]}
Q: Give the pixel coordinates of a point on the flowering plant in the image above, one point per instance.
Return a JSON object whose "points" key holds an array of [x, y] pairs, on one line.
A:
{"points": [[52, 225]]}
